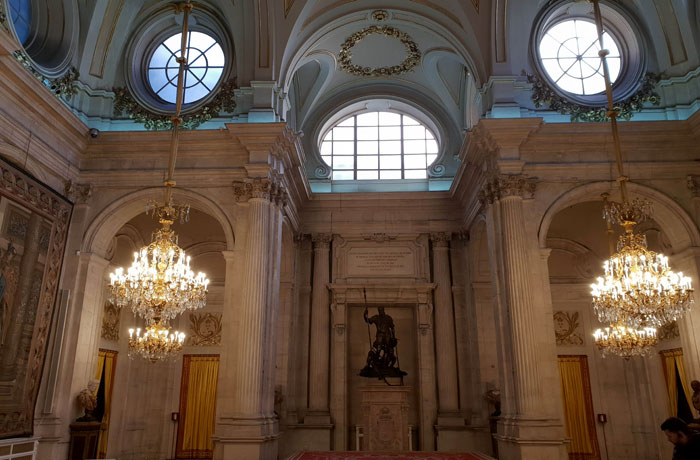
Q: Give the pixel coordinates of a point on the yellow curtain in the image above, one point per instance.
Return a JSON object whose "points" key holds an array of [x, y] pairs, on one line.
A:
{"points": [[107, 362], [672, 360], [197, 406], [100, 368], [577, 418]]}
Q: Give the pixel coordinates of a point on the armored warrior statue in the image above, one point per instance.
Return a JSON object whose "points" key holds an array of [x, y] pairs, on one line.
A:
{"points": [[382, 359]]}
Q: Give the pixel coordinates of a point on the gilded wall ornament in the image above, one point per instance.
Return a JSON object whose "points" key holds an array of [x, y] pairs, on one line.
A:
{"points": [[380, 15], [566, 328], [544, 96], [412, 59], [63, 87], [223, 102], [205, 329], [110, 322], [669, 331]]}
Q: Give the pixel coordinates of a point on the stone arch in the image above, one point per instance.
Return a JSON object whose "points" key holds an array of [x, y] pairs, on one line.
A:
{"points": [[113, 217], [671, 217]]}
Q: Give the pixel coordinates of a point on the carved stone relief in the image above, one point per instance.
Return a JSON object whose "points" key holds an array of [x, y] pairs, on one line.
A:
{"points": [[669, 331], [205, 329], [567, 328], [110, 322]]}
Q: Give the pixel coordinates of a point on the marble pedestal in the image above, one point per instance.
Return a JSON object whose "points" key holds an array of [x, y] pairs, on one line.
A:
{"points": [[385, 422]]}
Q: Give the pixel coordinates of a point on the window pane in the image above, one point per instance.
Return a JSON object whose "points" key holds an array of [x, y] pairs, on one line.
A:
{"points": [[343, 134], [327, 159], [343, 175], [415, 174], [389, 119], [431, 159], [367, 162], [368, 119], [414, 161], [432, 146], [390, 162], [389, 147], [413, 132], [367, 148], [157, 79], [326, 148], [414, 146], [390, 174], [343, 148], [367, 175], [343, 162], [408, 121], [390, 132], [348, 122], [367, 133]]}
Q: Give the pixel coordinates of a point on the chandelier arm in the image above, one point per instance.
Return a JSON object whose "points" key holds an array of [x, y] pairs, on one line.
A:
{"points": [[612, 112], [175, 119], [610, 231]]}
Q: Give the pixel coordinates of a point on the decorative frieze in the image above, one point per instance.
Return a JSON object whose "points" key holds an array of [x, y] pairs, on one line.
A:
{"points": [[567, 328], [693, 182], [77, 193], [378, 237], [505, 185]]}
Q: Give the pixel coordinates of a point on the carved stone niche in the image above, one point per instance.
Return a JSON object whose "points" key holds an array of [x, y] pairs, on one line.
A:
{"points": [[380, 256]]}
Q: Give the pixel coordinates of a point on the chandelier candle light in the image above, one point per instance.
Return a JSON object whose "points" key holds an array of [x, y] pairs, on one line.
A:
{"points": [[638, 291], [160, 285]]}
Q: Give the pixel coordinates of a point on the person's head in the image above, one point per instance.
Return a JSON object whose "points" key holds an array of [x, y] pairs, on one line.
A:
{"points": [[676, 430], [695, 385], [381, 310]]}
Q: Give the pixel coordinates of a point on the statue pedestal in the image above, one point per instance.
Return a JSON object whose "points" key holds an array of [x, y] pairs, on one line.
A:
{"points": [[385, 424]]}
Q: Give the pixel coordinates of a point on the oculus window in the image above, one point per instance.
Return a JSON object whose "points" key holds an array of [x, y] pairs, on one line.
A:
{"points": [[569, 54], [379, 146], [21, 15], [203, 71]]}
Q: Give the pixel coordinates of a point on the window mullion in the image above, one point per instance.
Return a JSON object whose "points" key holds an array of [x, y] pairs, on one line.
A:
{"points": [[354, 147], [402, 153]]}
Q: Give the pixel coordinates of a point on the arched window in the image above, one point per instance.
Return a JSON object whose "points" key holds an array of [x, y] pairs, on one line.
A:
{"points": [[205, 65], [569, 53], [21, 15], [379, 145]]}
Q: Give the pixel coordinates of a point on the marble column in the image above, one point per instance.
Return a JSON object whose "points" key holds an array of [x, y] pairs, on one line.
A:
{"points": [[526, 429], [446, 357], [320, 332], [247, 429], [339, 371], [426, 368], [19, 312]]}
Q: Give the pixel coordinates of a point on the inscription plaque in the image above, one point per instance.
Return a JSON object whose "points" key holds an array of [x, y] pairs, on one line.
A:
{"points": [[380, 261]]}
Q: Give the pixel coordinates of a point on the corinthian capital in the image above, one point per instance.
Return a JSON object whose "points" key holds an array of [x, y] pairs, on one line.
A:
{"points": [[693, 182], [267, 188], [505, 185], [440, 239], [321, 240]]}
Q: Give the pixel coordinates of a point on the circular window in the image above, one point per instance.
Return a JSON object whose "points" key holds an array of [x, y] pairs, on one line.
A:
{"points": [[564, 49], [21, 15], [379, 145], [569, 54], [205, 65]]}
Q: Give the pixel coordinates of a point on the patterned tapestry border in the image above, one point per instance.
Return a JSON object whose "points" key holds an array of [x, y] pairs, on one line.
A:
{"points": [[544, 96], [223, 102]]}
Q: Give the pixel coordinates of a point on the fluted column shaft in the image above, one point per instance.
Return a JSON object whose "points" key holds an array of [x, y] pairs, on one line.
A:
{"points": [[519, 294], [320, 326], [249, 381], [446, 352]]}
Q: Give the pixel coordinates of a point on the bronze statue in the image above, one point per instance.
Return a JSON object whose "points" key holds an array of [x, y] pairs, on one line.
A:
{"points": [[382, 359]]}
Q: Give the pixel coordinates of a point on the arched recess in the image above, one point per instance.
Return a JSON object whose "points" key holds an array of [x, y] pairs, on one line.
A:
{"points": [[308, 82], [674, 220], [100, 232]]}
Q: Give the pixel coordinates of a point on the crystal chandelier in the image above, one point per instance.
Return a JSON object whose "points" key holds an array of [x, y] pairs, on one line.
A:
{"points": [[625, 342], [638, 291], [156, 343], [160, 285]]}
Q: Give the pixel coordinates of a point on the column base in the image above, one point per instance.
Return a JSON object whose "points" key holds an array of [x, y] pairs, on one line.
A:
{"points": [[454, 435], [530, 438], [254, 438]]}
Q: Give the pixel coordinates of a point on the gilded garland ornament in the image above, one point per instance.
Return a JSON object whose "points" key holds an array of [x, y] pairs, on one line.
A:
{"points": [[63, 87], [223, 102], [413, 54], [544, 96]]}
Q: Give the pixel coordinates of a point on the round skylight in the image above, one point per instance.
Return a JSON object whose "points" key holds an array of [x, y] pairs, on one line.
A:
{"points": [[569, 54], [205, 65], [21, 15]]}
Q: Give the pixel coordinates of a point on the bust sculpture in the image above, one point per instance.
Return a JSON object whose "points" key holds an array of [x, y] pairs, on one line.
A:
{"points": [[87, 400], [382, 359], [695, 385]]}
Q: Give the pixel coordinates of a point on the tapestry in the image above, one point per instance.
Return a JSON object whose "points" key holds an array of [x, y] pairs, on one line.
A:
{"points": [[33, 229]]}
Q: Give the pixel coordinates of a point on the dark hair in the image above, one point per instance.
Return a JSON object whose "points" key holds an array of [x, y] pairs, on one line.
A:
{"points": [[675, 425]]}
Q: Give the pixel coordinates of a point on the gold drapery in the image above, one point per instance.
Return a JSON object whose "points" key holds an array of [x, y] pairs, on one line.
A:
{"points": [[200, 374], [106, 365], [578, 407], [672, 360]]}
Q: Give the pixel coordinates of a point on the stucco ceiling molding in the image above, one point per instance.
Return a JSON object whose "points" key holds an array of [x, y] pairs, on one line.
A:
{"points": [[411, 60]]}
